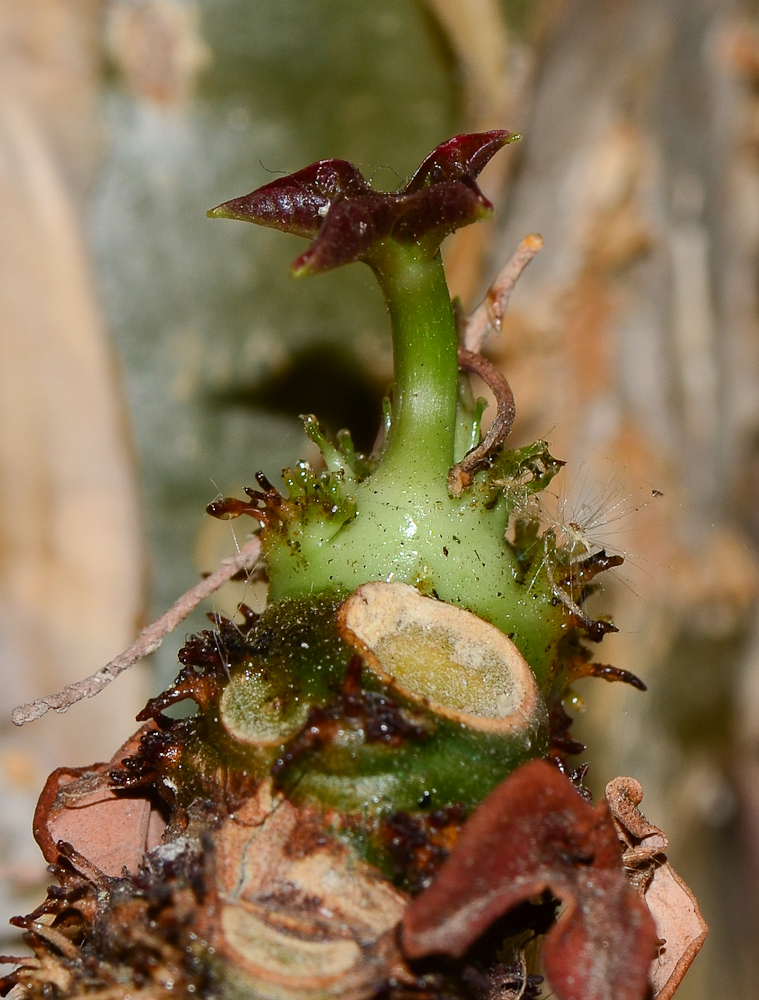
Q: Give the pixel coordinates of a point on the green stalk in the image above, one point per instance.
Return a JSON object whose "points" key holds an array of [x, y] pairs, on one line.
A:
{"points": [[425, 393]]}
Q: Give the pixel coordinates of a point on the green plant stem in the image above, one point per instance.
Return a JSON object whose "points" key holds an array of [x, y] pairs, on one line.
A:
{"points": [[425, 393]]}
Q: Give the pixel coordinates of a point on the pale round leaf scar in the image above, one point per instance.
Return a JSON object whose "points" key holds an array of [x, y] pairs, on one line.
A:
{"points": [[449, 659]]}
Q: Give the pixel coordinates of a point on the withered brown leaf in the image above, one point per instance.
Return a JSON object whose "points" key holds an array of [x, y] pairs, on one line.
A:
{"points": [[536, 833], [80, 806], [681, 928]]}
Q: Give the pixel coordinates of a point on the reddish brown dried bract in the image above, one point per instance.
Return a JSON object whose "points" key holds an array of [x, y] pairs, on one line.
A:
{"points": [[79, 806], [535, 833]]}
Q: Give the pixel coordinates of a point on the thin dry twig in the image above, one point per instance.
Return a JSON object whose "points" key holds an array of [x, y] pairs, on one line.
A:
{"points": [[489, 314], [461, 475], [148, 641]]}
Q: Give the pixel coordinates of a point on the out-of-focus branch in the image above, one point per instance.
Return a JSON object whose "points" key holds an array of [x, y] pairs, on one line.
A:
{"points": [[492, 71], [477, 34]]}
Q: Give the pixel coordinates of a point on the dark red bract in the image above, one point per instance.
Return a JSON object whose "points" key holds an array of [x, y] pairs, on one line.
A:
{"points": [[331, 203]]}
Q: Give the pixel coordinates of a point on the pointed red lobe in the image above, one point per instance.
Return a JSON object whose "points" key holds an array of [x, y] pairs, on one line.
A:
{"points": [[331, 203]]}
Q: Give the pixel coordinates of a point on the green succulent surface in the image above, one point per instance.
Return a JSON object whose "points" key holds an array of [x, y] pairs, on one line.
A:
{"points": [[395, 517]]}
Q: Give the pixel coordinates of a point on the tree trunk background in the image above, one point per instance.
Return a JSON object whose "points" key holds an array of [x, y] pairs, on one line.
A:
{"points": [[634, 334], [71, 547], [632, 344]]}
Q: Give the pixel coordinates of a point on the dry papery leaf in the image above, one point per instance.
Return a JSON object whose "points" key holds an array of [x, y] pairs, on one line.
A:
{"points": [[80, 806], [534, 833], [681, 928]]}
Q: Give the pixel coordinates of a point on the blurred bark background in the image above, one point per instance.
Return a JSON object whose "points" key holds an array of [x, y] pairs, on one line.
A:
{"points": [[71, 541], [151, 357]]}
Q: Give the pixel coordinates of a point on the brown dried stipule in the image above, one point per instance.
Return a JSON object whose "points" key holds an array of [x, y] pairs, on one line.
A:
{"points": [[595, 628], [462, 473], [533, 833]]}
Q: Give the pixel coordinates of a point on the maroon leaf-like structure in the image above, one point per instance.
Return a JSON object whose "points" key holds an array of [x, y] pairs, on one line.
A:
{"points": [[536, 833], [331, 203]]}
